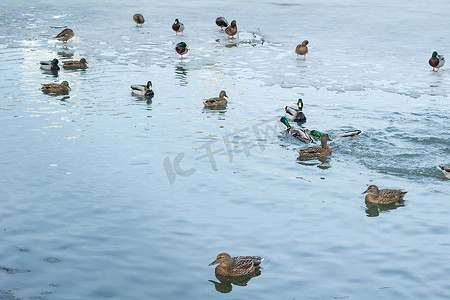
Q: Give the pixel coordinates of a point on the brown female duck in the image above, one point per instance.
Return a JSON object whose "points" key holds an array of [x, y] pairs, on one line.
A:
{"points": [[232, 30], [75, 64], [384, 196], [324, 150], [65, 35], [139, 19], [217, 101], [236, 266], [56, 88], [302, 49]]}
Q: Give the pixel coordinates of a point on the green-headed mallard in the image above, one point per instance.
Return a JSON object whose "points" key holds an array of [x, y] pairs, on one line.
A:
{"points": [[323, 150], [139, 19], [436, 61], [55, 88], [295, 114], [217, 101], [75, 64], [221, 22], [340, 135], [299, 133], [384, 196], [181, 49], [232, 30], [65, 35], [236, 266], [177, 26], [52, 65], [143, 90], [302, 49], [445, 170]]}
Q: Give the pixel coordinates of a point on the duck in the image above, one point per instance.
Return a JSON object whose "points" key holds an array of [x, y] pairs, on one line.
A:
{"points": [[177, 26], [221, 22], [445, 170], [139, 19], [436, 61], [295, 114], [232, 30], [75, 64], [62, 87], [384, 196], [217, 101], [323, 150], [299, 133], [143, 90], [52, 65], [181, 49], [65, 35], [302, 49], [340, 135], [236, 266]]}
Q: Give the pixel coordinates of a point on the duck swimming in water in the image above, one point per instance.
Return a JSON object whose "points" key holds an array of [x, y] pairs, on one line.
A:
{"points": [[236, 266], [295, 114], [323, 150], [52, 65], [298, 133], [384, 196], [143, 90]]}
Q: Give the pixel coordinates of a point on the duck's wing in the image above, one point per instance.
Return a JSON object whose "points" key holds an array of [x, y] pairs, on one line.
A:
{"points": [[257, 260], [290, 112], [138, 87]]}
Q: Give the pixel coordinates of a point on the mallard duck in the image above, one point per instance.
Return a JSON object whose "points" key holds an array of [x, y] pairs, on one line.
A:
{"points": [[323, 150], [299, 133], [445, 170], [221, 22], [65, 35], [384, 196], [302, 49], [75, 64], [436, 61], [52, 65], [62, 87], [143, 90], [295, 114], [217, 101], [181, 49], [236, 266], [178, 27], [232, 30], [339, 135], [139, 19]]}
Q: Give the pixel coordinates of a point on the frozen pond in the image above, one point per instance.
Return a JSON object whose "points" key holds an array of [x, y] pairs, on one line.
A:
{"points": [[108, 196]]}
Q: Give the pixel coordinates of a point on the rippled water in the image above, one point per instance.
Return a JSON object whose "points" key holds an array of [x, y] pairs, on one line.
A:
{"points": [[107, 195]]}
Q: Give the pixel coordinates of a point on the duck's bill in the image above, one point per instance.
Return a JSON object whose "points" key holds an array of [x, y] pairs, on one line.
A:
{"points": [[364, 192], [213, 263]]}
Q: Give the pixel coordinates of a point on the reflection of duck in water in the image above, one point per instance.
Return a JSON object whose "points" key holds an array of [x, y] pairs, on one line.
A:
{"points": [[236, 266], [374, 210], [225, 282]]}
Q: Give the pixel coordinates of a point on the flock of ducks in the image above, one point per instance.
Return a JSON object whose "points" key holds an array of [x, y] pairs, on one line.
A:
{"points": [[244, 265]]}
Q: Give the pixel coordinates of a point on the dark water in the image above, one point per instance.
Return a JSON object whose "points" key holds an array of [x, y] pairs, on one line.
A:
{"points": [[109, 196]]}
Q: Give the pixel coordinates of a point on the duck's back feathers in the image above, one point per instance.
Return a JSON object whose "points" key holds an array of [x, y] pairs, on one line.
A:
{"points": [[50, 65], [75, 64], [62, 87], [232, 30], [217, 101], [65, 35], [139, 19], [221, 22]]}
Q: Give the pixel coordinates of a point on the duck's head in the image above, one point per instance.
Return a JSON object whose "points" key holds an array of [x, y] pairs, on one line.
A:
{"points": [[183, 44], [55, 62], [300, 104], [176, 21], [285, 122], [83, 61], [222, 258], [65, 84], [315, 133], [435, 54], [223, 94], [149, 85], [305, 42], [372, 189], [325, 138]]}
